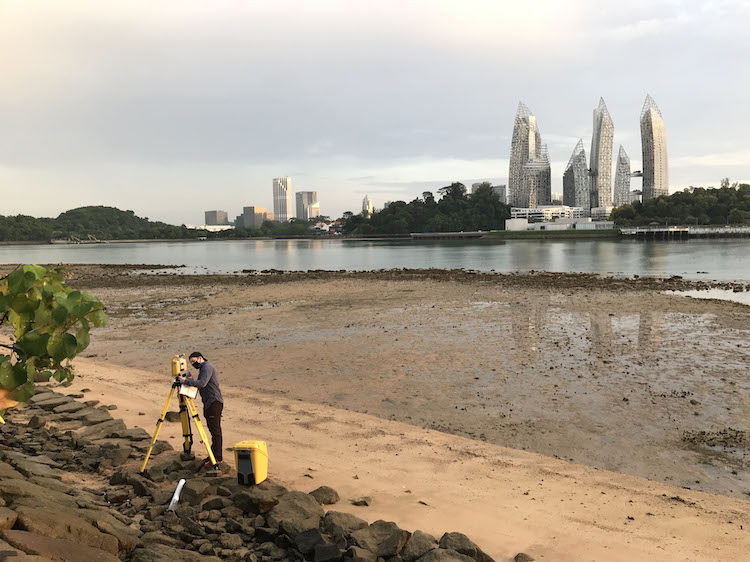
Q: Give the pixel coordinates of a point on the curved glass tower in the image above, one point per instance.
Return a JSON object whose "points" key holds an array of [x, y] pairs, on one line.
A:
{"points": [[536, 178], [622, 179], [576, 179], [654, 147], [526, 145], [601, 157]]}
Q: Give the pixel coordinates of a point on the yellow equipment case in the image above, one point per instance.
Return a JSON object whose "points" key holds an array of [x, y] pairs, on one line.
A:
{"points": [[251, 460]]}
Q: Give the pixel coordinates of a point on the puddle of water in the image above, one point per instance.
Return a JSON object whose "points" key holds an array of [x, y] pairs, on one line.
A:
{"points": [[719, 294]]}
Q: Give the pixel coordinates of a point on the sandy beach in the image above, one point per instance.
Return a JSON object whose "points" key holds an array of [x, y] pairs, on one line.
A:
{"points": [[526, 411]]}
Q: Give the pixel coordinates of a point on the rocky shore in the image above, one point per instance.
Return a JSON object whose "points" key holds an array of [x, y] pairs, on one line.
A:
{"points": [[70, 490]]}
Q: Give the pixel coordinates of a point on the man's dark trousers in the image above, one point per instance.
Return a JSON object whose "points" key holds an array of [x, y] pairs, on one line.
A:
{"points": [[213, 420]]}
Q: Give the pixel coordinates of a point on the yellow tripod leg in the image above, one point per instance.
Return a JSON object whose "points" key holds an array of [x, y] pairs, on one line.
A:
{"points": [[187, 432], [199, 425], [158, 427]]}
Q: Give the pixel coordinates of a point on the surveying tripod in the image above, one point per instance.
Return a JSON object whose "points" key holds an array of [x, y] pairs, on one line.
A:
{"points": [[187, 411]]}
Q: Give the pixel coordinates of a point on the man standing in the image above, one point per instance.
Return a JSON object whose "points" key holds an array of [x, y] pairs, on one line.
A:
{"points": [[208, 385]]}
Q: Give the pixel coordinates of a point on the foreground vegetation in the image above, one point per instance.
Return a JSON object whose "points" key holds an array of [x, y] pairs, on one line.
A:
{"points": [[729, 204]]}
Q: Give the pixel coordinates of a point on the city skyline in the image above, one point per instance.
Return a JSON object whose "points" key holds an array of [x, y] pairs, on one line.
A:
{"points": [[106, 110]]}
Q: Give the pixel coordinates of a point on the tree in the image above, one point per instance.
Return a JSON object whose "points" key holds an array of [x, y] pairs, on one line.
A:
{"points": [[51, 324]]}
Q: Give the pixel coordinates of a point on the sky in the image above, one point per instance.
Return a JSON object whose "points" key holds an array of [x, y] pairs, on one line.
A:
{"points": [[174, 107]]}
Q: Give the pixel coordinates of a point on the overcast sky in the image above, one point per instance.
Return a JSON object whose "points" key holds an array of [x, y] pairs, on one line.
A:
{"points": [[170, 108]]}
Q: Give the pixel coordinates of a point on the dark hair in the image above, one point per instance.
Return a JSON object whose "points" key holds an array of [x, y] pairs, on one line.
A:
{"points": [[197, 354]]}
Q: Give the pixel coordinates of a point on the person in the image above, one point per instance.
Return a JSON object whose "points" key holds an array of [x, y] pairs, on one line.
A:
{"points": [[213, 403]]}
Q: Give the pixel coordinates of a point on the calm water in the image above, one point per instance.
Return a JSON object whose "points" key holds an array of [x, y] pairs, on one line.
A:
{"points": [[720, 259]]}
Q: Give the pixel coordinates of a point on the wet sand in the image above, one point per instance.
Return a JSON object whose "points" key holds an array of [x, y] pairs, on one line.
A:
{"points": [[613, 374]]}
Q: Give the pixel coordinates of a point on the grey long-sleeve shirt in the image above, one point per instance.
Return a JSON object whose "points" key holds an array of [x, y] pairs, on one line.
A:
{"points": [[208, 384]]}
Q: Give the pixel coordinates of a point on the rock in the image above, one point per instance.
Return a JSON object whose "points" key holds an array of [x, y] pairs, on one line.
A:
{"points": [[228, 540], [232, 512], [214, 502], [52, 484], [418, 545], [49, 523], [7, 471], [172, 416], [155, 537], [340, 525], [325, 495], [272, 551], [35, 422], [327, 553], [307, 540], [162, 553], [117, 495], [50, 402], [194, 491], [383, 538], [55, 549], [445, 555], [357, 554], [68, 408], [463, 545], [206, 548], [29, 469], [523, 557], [141, 486], [132, 434], [7, 518], [296, 512], [363, 501], [13, 489], [96, 431], [127, 537], [259, 499]]}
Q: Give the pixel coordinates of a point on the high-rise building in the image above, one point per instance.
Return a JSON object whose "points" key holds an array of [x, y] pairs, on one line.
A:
{"points": [[622, 179], [654, 147], [525, 145], [216, 217], [283, 199], [251, 217], [308, 206], [499, 190], [536, 177], [367, 208], [576, 189], [601, 157]]}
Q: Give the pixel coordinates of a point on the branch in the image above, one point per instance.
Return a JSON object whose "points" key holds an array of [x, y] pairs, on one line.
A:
{"points": [[6, 276], [7, 346]]}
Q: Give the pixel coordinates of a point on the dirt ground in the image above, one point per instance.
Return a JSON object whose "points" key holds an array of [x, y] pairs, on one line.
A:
{"points": [[608, 373]]}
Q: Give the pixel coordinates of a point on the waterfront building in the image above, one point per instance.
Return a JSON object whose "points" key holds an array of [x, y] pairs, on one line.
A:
{"points": [[251, 217], [216, 218], [308, 206], [283, 199], [654, 148], [576, 189], [536, 180], [580, 223], [548, 213], [601, 157], [622, 179], [526, 145], [601, 213], [367, 208]]}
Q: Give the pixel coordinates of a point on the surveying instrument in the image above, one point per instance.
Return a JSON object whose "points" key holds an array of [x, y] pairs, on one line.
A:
{"points": [[188, 410]]}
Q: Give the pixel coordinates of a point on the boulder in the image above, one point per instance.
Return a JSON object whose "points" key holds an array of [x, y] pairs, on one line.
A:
{"points": [[55, 549], [68, 408], [357, 554], [418, 545], [340, 525], [326, 553], [13, 488], [228, 540], [445, 555], [53, 484], [155, 537], [96, 431], [162, 553], [7, 518], [523, 557], [308, 540], [259, 499], [384, 538], [194, 491], [29, 469], [47, 522], [51, 402], [7, 471], [463, 545], [296, 512], [214, 502], [172, 416], [325, 495]]}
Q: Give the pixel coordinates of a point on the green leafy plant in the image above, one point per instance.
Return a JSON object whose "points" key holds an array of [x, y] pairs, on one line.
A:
{"points": [[50, 324]]}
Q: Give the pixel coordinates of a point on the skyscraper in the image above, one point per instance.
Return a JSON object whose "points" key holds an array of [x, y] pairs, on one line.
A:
{"points": [[622, 179], [601, 157], [536, 178], [576, 191], [367, 208], [307, 205], [216, 217], [526, 144], [283, 199], [654, 147]]}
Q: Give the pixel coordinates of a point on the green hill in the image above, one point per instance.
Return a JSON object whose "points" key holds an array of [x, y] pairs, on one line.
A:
{"points": [[105, 223]]}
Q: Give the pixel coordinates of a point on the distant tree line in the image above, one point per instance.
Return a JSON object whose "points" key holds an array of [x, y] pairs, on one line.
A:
{"points": [[729, 204], [104, 223], [455, 211]]}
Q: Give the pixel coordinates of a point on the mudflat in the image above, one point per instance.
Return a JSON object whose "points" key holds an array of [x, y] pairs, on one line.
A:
{"points": [[610, 373]]}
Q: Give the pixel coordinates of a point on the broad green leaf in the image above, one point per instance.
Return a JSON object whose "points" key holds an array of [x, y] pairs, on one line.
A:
{"points": [[23, 304], [6, 375], [60, 375], [83, 339], [59, 314], [4, 303], [20, 281], [98, 318], [69, 345], [30, 373], [33, 344], [38, 271], [54, 346], [24, 392], [81, 309], [17, 322]]}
